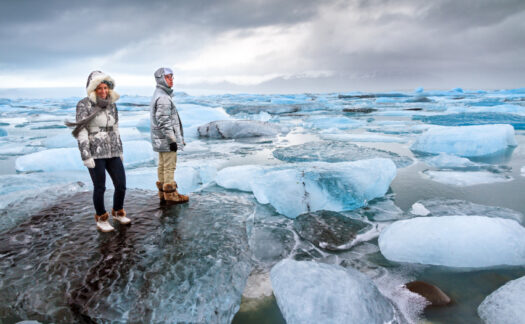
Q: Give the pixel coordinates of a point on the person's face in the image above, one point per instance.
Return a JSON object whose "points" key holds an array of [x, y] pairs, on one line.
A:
{"points": [[169, 80], [102, 91]]}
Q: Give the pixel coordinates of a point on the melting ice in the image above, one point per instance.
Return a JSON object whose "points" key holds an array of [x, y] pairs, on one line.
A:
{"points": [[273, 177]]}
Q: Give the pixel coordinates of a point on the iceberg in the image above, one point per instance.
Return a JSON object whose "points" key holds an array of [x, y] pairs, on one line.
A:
{"points": [[311, 292], [455, 241], [299, 188], [466, 178], [135, 153], [336, 151], [329, 230], [467, 141], [476, 118], [363, 138], [181, 264], [450, 207], [506, 305], [226, 129], [324, 122]]}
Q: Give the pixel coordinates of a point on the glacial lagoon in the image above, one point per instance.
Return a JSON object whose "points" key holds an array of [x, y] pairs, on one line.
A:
{"points": [[303, 208]]}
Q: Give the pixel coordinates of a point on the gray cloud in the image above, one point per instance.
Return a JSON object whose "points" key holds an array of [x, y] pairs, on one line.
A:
{"points": [[357, 42]]}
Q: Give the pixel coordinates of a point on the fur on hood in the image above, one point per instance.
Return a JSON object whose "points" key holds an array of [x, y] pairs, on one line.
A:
{"points": [[94, 79]]}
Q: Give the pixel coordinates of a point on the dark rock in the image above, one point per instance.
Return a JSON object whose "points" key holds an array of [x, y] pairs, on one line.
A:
{"points": [[433, 294], [328, 230]]}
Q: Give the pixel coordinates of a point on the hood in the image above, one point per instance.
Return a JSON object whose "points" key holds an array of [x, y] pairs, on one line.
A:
{"points": [[94, 79], [159, 77]]}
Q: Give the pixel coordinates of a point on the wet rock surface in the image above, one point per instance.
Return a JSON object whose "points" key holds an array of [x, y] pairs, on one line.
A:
{"points": [[328, 230], [185, 263]]}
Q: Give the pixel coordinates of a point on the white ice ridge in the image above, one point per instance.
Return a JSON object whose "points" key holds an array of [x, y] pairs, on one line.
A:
{"points": [[466, 140], [60, 159], [506, 305], [311, 292], [293, 189], [455, 241]]}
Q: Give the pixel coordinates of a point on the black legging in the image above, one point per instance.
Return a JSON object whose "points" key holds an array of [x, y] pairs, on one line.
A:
{"points": [[118, 176]]}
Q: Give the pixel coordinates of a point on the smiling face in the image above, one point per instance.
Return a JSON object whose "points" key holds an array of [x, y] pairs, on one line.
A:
{"points": [[102, 91], [169, 80]]}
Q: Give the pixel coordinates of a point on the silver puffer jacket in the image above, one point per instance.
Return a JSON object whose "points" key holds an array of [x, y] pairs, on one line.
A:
{"points": [[166, 126], [100, 139]]}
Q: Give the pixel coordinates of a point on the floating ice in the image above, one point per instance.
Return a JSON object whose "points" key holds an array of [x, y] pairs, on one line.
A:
{"points": [[363, 138], [135, 153], [506, 305], [310, 292], [3, 132], [451, 207], [322, 122], [444, 160], [335, 151], [329, 230], [238, 129], [466, 141], [455, 241], [475, 118], [170, 265], [419, 209], [467, 178], [255, 109], [300, 188]]}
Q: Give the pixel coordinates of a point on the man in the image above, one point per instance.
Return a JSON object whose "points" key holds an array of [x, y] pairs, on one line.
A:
{"points": [[167, 136]]}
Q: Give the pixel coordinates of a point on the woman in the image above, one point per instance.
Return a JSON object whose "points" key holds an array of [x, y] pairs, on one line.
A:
{"points": [[96, 130]]}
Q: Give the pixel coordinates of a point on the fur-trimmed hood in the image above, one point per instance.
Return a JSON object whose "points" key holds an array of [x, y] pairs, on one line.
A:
{"points": [[94, 79]]}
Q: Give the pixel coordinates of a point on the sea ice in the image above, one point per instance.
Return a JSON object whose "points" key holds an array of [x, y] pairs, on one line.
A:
{"points": [[135, 153], [444, 160], [299, 188], [324, 122], [455, 241], [466, 178], [367, 137], [476, 118], [311, 292], [336, 151], [227, 129], [506, 305], [452, 207], [468, 141]]}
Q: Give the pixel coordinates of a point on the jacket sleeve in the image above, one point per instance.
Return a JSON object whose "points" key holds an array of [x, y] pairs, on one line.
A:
{"points": [[177, 126], [164, 118], [82, 138]]}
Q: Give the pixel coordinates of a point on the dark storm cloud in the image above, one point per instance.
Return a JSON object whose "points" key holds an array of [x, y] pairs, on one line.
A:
{"points": [[40, 32]]}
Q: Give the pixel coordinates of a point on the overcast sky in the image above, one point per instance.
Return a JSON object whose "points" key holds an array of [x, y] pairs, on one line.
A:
{"points": [[267, 45]]}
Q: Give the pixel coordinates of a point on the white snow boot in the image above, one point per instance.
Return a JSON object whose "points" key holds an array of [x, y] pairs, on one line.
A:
{"points": [[102, 223], [120, 215]]}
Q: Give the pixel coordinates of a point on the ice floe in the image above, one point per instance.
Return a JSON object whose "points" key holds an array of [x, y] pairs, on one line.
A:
{"points": [[455, 241]]}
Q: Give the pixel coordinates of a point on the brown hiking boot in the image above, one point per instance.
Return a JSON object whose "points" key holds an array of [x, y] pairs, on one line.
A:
{"points": [[102, 222], [161, 191], [172, 196]]}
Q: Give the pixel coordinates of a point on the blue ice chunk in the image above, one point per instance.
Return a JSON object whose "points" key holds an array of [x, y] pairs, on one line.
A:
{"points": [[3, 132], [476, 241], [58, 159], [311, 292], [299, 188], [336, 151], [477, 118], [506, 305], [467, 141], [457, 90], [419, 90]]}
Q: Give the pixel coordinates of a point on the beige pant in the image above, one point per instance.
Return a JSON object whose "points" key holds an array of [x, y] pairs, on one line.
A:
{"points": [[167, 164]]}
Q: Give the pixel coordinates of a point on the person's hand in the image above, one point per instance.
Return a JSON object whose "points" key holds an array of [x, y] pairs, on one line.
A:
{"points": [[173, 147], [90, 163], [122, 157]]}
